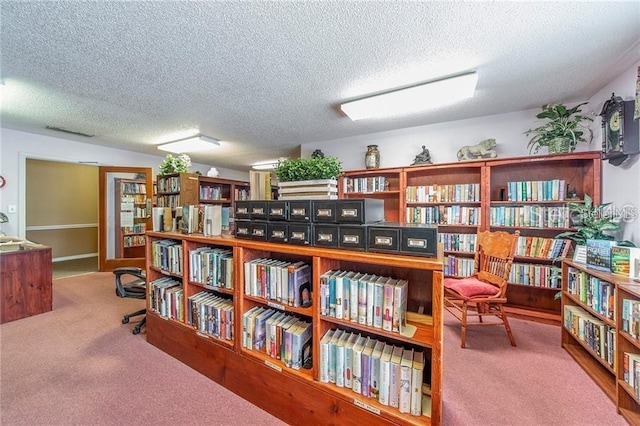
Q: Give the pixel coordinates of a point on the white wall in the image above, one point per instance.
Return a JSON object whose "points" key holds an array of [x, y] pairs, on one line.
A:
{"points": [[620, 185], [17, 146]]}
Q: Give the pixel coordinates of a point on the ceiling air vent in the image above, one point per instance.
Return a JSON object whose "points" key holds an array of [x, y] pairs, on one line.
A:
{"points": [[71, 132]]}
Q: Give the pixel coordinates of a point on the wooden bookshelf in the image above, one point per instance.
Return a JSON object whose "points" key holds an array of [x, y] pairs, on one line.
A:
{"points": [[221, 191], [604, 360], [267, 382], [531, 299], [132, 217], [386, 184]]}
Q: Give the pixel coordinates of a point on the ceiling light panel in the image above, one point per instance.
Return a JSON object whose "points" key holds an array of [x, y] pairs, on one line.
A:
{"points": [[198, 143]]}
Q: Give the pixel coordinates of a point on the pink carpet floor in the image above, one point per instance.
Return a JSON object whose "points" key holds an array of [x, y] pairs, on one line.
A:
{"points": [[78, 365]]}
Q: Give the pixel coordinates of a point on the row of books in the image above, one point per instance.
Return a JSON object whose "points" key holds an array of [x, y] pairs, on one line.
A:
{"points": [[390, 374], [444, 215], [365, 184], [211, 314], [172, 201], [376, 301], [458, 242], [548, 248], [278, 280], [592, 291], [546, 190], [241, 194], [169, 184], [211, 266], [167, 255], [138, 228], [600, 337], [458, 266], [134, 188], [134, 198], [535, 275], [631, 317], [605, 255], [166, 297], [209, 220], [631, 371], [533, 216], [279, 335], [211, 192], [133, 240], [455, 193]]}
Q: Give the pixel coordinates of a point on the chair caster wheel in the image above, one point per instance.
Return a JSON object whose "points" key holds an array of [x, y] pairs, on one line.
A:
{"points": [[125, 320], [136, 330]]}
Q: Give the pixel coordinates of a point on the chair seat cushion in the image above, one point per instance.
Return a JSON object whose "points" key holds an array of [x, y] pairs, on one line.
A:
{"points": [[470, 287]]}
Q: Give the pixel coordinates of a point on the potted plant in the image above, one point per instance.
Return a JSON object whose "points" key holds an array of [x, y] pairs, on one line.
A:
{"points": [[171, 164], [591, 222], [562, 131], [317, 167]]}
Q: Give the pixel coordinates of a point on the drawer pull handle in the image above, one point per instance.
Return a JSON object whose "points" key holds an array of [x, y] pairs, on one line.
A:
{"points": [[324, 212], [257, 210], [349, 213], [325, 237], [277, 212], [277, 234], [297, 235], [258, 232], [415, 242], [299, 212], [384, 241], [242, 210], [350, 239]]}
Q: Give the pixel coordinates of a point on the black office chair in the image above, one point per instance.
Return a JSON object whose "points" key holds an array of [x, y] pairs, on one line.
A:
{"points": [[137, 289]]}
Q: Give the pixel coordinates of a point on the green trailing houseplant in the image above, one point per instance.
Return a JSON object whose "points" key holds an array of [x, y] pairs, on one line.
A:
{"points": [[563, 129], [590, 221], [316, 167]]}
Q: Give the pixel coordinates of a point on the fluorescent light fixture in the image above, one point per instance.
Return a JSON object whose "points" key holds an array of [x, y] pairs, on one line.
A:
{"points": [[266, 166], [413, 99], [196, 143]]}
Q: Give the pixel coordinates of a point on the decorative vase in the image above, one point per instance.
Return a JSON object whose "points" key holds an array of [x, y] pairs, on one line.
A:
{"points": [[559, 146], [372, 157]]}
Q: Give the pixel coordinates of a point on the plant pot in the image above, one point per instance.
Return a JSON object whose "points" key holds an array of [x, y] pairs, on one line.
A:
{"points": [[559, 146]]}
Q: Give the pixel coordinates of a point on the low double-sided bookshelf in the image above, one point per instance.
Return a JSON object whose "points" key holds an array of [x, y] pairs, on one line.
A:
{"points": [[600, 331], [240, 357]]}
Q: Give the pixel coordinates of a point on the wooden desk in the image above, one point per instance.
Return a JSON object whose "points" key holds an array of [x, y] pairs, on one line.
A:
{"points": [[25, 282]]}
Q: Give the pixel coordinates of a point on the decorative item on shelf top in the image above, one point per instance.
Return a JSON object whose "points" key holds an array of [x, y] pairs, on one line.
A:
{"points": [[171, 164], [423, 158], [563, 130], [213, 172], [372, 157], [314, 168], [483, 149]]}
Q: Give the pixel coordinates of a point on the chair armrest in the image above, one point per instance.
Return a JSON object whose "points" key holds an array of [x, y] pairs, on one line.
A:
{"points": [[130, 270]]}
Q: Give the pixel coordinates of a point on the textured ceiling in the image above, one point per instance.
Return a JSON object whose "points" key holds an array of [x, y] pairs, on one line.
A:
{"points": [[269, 76]]}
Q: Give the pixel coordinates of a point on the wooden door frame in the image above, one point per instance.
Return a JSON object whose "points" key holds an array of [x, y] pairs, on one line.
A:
{"points": [[104, 264]]}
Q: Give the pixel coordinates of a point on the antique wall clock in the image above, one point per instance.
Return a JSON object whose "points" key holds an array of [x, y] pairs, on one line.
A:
{"points": [[619, 130]]}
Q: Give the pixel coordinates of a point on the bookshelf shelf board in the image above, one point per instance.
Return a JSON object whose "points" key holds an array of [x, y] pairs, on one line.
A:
{"points": [[533, 258], [627, 388], [528, 203], [600, 374], [167, 273], [278, 365], [630, 416], [372, 193], [593, 354], [457, 225], [223, 342], [443, 203], [423, 334], [629, 338], [214, 288], [531, 286], [462, 253], [280, 306], [390, 413], [601, 317], [535, 228]]}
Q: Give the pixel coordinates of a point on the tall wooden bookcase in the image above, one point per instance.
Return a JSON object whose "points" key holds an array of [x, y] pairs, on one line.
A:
{"points": [[596, 306], [427, 193], [385, 184], [221, 191], [265, 381], [177, 189], [132, 205]]}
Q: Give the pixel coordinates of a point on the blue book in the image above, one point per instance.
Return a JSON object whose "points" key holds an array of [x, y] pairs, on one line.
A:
{"points": [[599, 254]]}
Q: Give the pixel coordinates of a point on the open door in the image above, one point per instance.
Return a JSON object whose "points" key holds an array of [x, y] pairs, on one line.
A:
{"points": [[124, 213]]}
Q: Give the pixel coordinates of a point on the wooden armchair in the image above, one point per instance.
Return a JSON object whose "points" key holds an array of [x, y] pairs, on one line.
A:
{"points": [[484, 293]]}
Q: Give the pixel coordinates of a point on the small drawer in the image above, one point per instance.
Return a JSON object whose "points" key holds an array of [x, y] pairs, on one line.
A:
{"points": [[258, 210], [383, 239], [300, 234], [258, 231], [278, 210], [300, 211], [242, 210], [366, 210], [420, 240], [325, 235], [323, 211], [277, 232], [243, 229], [352, 237]]}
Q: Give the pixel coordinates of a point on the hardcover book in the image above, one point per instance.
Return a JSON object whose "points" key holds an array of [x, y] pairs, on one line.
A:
{"points": [[599, 254]]}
